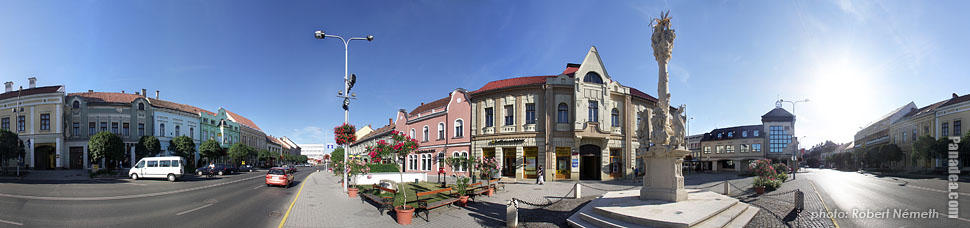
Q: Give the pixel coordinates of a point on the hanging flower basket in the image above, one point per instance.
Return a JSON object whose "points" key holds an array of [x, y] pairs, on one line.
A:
{"points": [[345, 134]]}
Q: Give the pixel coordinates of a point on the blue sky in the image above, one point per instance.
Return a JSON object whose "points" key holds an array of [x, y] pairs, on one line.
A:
{"points": [[855, 60]]}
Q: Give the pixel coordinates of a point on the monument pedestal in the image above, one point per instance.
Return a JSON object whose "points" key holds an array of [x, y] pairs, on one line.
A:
{"points": [[664, 179], [701, 209]]}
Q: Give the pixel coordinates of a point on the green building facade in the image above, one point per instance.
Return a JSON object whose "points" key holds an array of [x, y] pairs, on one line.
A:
{"points": [[217, 126]]}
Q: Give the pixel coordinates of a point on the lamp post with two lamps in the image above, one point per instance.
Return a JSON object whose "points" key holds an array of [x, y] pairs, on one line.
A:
{"points": [[794, 154], [349, 81]]}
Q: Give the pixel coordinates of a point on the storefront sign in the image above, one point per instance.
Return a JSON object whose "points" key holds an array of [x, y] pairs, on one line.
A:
{"points": [[562, 151], [506, 141], [575, 163]]}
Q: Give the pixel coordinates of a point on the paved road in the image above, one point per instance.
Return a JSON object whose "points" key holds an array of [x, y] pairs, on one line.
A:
{"points": [[850, 191], [240, 200]]}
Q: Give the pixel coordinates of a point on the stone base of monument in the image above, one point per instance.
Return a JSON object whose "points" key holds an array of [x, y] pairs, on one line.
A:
{"points": [[701, 209]]}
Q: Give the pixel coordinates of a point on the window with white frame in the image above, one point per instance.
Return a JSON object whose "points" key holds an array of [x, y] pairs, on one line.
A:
{"points": [[707, 149], [441, 131], [745, 148], [594, 111], [509, 115], [720, 149], [424, 133], [412, 133], [413, 162], [563, 113], [426, 162], [615, 117], [459, 128], [530, 113]]}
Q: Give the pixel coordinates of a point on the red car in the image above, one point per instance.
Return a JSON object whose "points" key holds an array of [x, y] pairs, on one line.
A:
{"points": [[279, 176]]}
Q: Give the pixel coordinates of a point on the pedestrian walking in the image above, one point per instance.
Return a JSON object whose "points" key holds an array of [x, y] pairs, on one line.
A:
{"points": [[636, 174], [540, 180]]}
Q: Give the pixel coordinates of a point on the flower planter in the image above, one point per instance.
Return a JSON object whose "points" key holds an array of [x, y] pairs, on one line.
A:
{"points": [[352, 192], [463, 200], [760, 190], [404, 214]]}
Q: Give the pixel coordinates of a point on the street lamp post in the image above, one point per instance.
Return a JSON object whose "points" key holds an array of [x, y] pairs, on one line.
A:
{"points": [[348, 83], [794, 153]]}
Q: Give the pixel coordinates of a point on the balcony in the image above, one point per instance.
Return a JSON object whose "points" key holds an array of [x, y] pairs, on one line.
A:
{"points": [[529, 127], [508, 128], [488, 130]]}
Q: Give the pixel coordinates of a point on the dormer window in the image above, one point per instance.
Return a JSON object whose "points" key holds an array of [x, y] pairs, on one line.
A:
{"points": [[76, 104], [141, 106], [744, 134], [730, 134], [719, 135], [593, 77]]}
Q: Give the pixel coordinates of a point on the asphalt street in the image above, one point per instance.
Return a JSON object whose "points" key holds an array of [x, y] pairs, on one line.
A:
{"points": [[238, 200], [850, 196]]}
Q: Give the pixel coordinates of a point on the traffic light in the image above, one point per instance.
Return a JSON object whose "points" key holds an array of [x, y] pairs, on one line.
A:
{"points": [[351, 81]]}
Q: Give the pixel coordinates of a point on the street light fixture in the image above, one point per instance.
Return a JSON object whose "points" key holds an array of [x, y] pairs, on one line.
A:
{"points": [[348, 83], [794, 154]]}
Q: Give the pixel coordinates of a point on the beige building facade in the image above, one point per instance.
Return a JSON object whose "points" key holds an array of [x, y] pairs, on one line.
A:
{"points": [[577, 125], [36, 115]]}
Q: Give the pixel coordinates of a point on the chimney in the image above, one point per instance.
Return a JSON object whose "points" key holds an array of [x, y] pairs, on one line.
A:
{"points": [[144, 92], [33, 82], [422, 103], [156, 94], [8, 86], [390, 121], [90, 91], [122, 91], [955, 95]]}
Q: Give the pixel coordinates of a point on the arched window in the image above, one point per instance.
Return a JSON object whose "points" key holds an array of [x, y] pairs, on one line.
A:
{"points": [[441, 131], [76, 104], [141, 106], [459, 128], [615, 117], [593, 77], [161, 130], [563, 113], [441, 159], [424, 133], [412, 133]]}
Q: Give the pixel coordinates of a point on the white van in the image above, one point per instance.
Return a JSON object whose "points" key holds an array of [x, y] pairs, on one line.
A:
{"points": [[158, 167]]}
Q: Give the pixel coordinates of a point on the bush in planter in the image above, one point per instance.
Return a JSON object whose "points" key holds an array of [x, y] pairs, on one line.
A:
{"points": [[770, 183], [781, 168], [382, 168]]}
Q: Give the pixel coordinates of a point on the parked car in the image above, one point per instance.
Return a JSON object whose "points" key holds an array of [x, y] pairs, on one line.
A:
{"points": [[246, 168], [220, 169], [158, 167], [279, 176], [292, 168]]}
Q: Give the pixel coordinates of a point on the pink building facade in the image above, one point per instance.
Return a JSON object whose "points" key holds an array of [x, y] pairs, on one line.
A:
{"points": [[441, 128]]}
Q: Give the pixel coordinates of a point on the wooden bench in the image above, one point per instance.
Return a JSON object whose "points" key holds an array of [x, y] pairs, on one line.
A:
{"points": [[383, 203], [426, 206], [495, 184], [476, 189]]}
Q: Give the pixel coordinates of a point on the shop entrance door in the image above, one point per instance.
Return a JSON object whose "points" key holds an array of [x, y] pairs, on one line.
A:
{"points": [[508, 162], [590, 162]]}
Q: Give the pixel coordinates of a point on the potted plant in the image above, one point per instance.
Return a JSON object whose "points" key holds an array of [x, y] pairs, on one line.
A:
{"points": [[462, 187], [766, 176], [489, 168], [354, 168], [399, 150]]}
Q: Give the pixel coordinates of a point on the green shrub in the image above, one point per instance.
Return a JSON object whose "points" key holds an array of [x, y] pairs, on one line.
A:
{"points": [[770, 183], [382, 168], [782, 177], [781, 168]]}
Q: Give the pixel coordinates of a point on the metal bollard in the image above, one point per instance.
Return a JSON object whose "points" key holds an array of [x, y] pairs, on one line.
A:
{"points": [[578, 193], [727, 188], [512, 214], [799, 200]]}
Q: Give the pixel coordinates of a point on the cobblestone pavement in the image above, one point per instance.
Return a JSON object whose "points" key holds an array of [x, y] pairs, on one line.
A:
{"points": [[777, 207], [322, 204]]}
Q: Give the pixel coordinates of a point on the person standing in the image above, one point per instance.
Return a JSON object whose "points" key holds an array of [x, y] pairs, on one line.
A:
{"points": [[636, 174], [540, 179]]}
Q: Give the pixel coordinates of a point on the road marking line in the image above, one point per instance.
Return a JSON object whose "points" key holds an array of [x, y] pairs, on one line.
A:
{"points": [[823, 205], [294, 201], [9, 222], [258, 187], [54, 198], [197, 208], [137, 184]]}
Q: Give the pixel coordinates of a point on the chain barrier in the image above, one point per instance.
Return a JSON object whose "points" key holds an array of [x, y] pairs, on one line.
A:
{"points": [[543, 205], [610, 190]]}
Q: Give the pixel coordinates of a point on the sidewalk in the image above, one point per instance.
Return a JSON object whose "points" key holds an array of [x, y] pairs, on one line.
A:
{"points": [[322, 203]]}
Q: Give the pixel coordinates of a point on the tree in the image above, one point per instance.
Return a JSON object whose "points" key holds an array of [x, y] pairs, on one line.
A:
{"points": [[402, 146], [337, 155], [10, 146], [264, 156], [891, 153], [184, 147], [238, 152], [148, 146], [251, 153], [107, 146], [211, 149]]}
